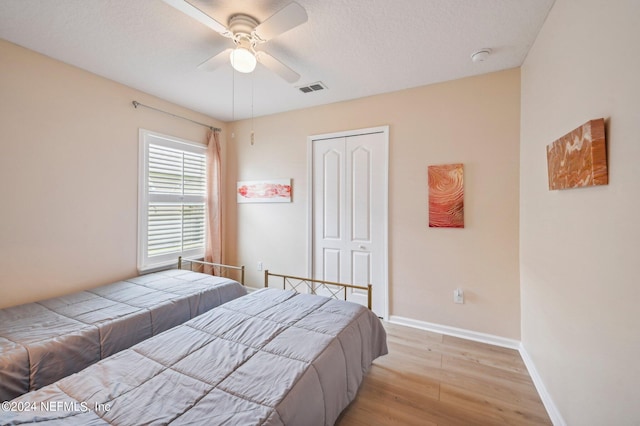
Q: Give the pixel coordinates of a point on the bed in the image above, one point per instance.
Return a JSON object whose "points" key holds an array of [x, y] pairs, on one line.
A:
{"points": [[46, 341], [273, 357]]}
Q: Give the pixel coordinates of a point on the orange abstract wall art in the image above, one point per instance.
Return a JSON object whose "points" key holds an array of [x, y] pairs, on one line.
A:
{"points": [[579, 158], [446, 196]]}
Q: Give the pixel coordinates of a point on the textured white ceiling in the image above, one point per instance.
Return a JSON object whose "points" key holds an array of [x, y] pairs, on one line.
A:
{"points": [[357, 48]]}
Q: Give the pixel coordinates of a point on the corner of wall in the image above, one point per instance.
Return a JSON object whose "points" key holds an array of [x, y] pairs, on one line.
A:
{"points": [[549, 405]]}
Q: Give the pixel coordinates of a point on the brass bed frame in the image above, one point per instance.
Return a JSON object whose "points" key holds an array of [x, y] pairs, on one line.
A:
{"points": [[293, 282], [313, 284], [222, 270]]}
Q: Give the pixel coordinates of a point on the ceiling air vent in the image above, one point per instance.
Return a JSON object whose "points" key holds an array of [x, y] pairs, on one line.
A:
{"points": [[313, 87]]}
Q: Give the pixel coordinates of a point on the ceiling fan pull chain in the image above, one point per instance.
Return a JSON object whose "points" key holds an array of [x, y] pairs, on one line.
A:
{"points": [[252, 133]]}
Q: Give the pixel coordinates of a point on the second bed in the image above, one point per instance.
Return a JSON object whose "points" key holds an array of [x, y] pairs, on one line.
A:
{"points": [[45, 341]]}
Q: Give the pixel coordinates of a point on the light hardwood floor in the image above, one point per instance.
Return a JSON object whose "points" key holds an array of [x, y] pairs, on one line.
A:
{"points": [[432, 379]]}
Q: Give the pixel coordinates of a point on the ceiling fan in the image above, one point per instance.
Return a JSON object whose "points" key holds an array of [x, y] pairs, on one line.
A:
{"points": [[246, 33]]}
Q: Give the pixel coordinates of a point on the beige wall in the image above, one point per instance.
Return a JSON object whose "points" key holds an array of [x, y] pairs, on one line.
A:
{"points": [[580, 247], [69, 173], [474, 121], [70, 142]]}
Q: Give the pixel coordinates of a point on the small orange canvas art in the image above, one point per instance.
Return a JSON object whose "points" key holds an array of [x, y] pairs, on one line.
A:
{"points": [[446, 196], [579, 158]]}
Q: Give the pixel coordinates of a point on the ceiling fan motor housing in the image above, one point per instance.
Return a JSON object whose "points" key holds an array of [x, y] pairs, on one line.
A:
{"points": [[241, 24]]}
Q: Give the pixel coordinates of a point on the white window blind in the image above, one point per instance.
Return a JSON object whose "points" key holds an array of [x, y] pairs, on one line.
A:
{"points": [[172, 206]]}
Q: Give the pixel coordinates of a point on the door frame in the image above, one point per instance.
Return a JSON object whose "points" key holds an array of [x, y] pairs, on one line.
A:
{"points": [[385, 198]]}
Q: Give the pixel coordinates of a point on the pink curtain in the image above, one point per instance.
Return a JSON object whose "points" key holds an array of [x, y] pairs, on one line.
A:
{"points": [[213, 250]]}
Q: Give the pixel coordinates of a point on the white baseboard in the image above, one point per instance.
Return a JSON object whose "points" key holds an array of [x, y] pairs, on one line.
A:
{"points": [[491, 339], [550, 406], [457, 332]]}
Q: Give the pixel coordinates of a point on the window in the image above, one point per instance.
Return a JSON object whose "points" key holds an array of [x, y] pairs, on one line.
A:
{"points": [[172, 200]]}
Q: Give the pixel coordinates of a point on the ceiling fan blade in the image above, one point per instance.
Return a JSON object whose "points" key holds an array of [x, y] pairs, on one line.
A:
{"points": [[283, 20], [277, 67], [192, 11], [216, 61]]}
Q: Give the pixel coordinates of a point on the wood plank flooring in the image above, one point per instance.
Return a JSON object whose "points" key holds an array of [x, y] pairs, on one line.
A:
{"points": [[432, 379]]}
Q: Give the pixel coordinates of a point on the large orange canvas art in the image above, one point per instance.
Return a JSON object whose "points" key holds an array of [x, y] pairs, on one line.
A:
{"points": [[579, 158], [446, 196]]}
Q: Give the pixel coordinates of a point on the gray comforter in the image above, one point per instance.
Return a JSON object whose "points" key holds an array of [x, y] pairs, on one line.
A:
{"points": [[273, 357], [46, 341]]}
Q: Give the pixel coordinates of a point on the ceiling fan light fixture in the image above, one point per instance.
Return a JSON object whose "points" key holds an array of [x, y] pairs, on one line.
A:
{"points": [[242, 60]]}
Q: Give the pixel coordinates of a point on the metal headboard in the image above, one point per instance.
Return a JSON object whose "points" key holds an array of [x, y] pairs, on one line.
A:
{"points": [[313, 284], [221, 266]]}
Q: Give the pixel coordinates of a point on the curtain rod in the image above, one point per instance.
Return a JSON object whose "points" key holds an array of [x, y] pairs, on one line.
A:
{"points": [[136, 104]]}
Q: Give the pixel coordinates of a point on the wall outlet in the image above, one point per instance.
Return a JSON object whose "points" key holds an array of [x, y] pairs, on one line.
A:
{"points": [[458, 296], [260, 266]]}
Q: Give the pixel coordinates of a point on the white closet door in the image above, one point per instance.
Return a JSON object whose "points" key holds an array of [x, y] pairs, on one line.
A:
{"points": [[349, 214]]}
